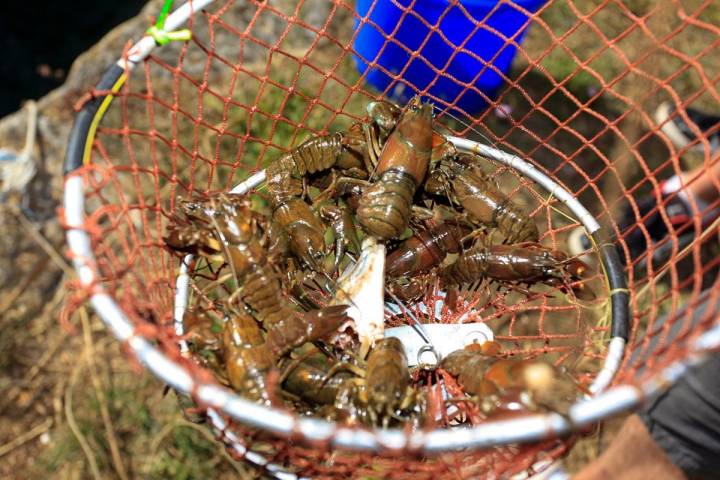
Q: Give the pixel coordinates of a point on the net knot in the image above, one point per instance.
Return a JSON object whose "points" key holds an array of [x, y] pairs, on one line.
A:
{"points": [[77, 296]]}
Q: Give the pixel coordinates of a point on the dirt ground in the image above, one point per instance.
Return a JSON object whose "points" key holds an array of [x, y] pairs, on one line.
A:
{"points": [[72, 404]]}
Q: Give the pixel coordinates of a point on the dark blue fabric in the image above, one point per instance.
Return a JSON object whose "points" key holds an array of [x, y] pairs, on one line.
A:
{"points": [[685, 421]]}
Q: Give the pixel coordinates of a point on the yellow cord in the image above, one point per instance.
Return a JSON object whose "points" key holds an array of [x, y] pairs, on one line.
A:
{"points": [[619, 290], [98, 116]]}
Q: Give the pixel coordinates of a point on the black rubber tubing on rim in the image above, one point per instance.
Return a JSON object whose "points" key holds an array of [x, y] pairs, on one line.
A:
{"points": [[81, 127], [619, 294]]}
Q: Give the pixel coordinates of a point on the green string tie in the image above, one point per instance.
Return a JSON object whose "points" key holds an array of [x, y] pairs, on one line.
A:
{"points": [[162, 36]]}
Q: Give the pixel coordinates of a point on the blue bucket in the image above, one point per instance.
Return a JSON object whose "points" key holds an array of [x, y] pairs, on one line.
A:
{"points": [[494, 54]]}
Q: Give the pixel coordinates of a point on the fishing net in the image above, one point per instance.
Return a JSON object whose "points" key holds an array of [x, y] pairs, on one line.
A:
{"points": [[575, 120]]}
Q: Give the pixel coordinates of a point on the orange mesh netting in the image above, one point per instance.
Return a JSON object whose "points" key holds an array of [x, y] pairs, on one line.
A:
{"points": [[256, 79]]}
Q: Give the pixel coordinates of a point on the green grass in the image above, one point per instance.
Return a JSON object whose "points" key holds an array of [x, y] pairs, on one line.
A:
{"points": [[184, 454]]}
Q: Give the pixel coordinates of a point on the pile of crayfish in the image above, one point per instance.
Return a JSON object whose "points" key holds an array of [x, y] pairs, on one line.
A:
{"points": [[267, 320]]}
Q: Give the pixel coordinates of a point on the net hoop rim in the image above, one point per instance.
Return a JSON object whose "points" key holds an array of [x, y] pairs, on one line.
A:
{"points": [[492, 433], [611, 263]]}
